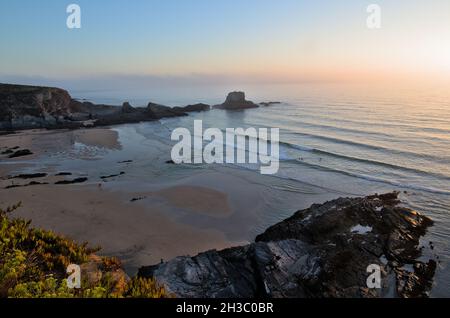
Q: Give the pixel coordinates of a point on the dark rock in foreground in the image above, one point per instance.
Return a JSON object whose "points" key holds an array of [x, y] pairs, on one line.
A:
{"points": [[236, 101], [323, 251], [26, 107]]}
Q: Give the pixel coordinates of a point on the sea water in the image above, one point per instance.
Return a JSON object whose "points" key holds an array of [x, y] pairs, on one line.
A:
{"points": [[349, 140]]}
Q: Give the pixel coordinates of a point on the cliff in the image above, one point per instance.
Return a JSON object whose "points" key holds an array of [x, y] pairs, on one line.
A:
{"points": [[25, 107], [323, 251], [28, 106]]}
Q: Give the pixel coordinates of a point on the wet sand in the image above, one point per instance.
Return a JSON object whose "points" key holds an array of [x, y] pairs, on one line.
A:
{"points": [[44, 141], [138, 217], [198, 199], [105, 138], [137, 234]]}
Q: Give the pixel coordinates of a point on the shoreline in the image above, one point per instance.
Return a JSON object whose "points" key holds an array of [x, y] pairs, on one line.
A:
{"points": [[140, 219], [26, 107], [134, 233]]}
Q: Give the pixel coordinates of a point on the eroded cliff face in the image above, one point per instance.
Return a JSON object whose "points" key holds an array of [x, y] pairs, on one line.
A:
{"points": [[31, 106], [24, 107], [323, 251]]}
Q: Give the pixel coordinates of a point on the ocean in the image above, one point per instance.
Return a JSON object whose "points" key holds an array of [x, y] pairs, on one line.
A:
{"points": [[350, 140]]}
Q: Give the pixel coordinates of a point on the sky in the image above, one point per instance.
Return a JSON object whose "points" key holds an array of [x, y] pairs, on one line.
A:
{"points": [[209, 41]]}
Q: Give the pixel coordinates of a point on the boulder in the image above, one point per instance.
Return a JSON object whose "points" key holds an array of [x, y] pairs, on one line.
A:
{"points": [[160, 111], [127, 108], [323, 251], [236, 101], [193, 108]]}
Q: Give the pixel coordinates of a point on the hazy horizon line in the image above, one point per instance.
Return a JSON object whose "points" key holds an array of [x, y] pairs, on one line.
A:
{"points": [[113, 80]]}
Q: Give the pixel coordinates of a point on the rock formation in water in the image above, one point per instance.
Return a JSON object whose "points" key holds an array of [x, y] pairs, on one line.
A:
{"points": [[236, 101], [323, 251], [161, 111], [200, 107], [25, 107], [266, 104]]}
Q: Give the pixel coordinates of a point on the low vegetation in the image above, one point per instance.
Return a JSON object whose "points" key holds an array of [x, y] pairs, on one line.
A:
{"points": [[33, 264]]}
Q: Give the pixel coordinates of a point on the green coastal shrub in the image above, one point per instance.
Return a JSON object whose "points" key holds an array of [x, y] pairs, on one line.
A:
{"points": [[33, 264], [145, 288]]}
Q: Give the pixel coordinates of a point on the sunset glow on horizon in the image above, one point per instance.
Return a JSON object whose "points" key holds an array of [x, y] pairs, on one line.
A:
{"points": [[279, 41]]}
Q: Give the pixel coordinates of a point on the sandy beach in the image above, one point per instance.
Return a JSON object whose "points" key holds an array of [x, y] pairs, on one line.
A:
{"points": [[116, 188], [135, 233], [229, 158], [138, 222]]}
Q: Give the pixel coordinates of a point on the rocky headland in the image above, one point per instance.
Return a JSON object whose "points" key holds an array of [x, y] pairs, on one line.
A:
{"points": [[323, 251], [27, 107]]}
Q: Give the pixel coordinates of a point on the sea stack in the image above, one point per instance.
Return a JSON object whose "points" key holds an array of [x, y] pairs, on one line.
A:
{"points": [[235, 101]]}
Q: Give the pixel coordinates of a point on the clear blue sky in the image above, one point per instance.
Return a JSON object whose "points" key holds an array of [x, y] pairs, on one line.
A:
{"points": [[210, 38]]}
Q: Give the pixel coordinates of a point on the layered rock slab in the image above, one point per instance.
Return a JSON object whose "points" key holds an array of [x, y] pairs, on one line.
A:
{"points": [[323, 251]]}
